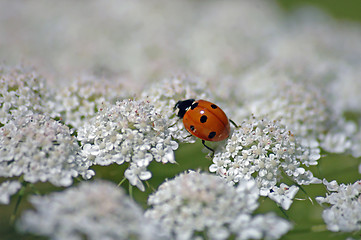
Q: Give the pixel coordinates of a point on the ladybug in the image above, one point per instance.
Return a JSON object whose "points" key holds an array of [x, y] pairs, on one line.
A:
{"points": [[204, 120]]}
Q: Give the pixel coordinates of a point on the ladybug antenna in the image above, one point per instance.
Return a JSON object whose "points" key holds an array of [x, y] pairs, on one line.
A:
{"points": [[234, 124]]}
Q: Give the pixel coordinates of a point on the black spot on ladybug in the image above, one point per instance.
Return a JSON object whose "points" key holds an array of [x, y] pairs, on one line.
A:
{"points": [[213, 106], [191, 127], [211, 135], [203, 119], [194, 105]]}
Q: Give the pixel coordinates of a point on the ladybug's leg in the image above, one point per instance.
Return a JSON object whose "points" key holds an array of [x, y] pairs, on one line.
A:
{"points": [[234, 124], [204, 144]]}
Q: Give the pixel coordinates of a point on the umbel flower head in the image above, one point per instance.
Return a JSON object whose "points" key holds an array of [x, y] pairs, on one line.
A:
{"points": [[165, 94], [200, 204], [304, 111], [82, 98], [22, 92], [39, 148], [91, 210], [263, 150], [342, 206], [128, 132]]}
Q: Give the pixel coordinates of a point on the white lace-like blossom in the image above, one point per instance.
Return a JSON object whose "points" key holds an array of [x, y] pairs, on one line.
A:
{"points": [[283, 195], [304, 110], [22, 92], [128, 132], [200, 204], [91, 210], [7, 189], [83, 97], [342, 206], [263, 150], [39, 148], [165, 94]]}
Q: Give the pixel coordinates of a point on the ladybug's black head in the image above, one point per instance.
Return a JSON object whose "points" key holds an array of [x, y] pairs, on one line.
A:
{"points": [[183, 106]]}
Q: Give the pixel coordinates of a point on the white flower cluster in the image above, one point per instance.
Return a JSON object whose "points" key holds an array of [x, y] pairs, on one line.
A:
{"points": [[39, 148], [7, 189], [81, 99], [297, 106], [342, 206], [306, 112], [22, 92], [165, 94], [91, 210], [128, 132], [200, 204], [263, 150]]}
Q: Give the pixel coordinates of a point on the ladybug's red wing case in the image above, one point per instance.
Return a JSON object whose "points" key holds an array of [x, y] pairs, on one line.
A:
{"points": [[206, 121]]}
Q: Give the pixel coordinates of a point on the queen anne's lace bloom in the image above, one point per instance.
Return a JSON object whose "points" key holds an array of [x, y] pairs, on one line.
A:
{"points": [[304, 110], [82, 98], [263, 150], [165, 94], [199, 203], [128, 132], [39, 148], [22, 92], [91, 210], [7, 189], [342, 206], [297, 106]]}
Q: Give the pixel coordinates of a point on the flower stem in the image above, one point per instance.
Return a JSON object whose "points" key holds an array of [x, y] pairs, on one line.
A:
{"points": [[122, 181], [20, 197], [131, 191]]}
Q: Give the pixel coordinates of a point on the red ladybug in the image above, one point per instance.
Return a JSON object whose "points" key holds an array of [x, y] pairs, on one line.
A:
{"points": [[204, 120]]}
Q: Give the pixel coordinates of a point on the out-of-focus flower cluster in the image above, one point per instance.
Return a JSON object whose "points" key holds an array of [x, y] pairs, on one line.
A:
{"points": [[22, 92], [128, 132], [342, 206], [199, 203], [82, 98], [38, 148], [7, 189], [305, 111], [264, 150], [91, 210]]}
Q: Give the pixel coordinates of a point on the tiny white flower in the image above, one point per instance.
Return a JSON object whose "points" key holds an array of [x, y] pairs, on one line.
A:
{"points": [[136, 175], [283, 195]]}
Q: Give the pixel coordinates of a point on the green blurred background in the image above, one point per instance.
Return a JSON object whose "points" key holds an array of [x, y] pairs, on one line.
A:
{"points": [[305, 215]]}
